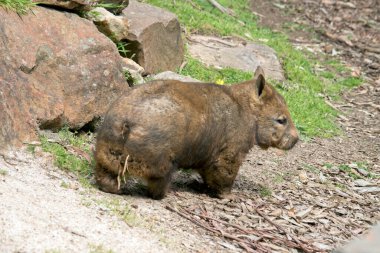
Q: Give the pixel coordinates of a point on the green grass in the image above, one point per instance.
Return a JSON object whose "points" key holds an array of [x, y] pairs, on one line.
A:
{"points": [[3, 172], [265, 191], [99, 248], [67, 160], [19, 6], [351, 171], [345, 168], [197, 70], [120, 209], [312, 116], [311, 168]]}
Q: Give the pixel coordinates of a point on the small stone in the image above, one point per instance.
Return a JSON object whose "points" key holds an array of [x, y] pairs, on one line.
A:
{"points": [[131, 65], [303, 177], [362, 183], [114, 27], [322, 246], [328, 48], [362, 171], [322, 178]]}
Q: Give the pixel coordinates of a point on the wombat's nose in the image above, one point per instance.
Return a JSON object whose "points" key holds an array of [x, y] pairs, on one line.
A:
{"points": [[294, 135]]}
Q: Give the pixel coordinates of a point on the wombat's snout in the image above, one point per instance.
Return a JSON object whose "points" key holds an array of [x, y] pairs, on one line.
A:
{"points": [[290, 140]]}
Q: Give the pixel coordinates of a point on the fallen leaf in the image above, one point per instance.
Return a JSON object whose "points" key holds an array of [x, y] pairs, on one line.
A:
{"points": [[367, 189], [362, 183], [302, 214], [321, 246], [303, 177]]}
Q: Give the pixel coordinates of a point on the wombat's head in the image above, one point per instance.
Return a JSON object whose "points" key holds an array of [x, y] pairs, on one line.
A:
{"points": [[275, 127]]}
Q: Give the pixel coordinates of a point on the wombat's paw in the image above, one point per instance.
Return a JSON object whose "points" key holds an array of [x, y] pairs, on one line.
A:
{"points": [[217, 193], [157, 187], [108, 184], [229, 196], [156, 193], [110, 189]]}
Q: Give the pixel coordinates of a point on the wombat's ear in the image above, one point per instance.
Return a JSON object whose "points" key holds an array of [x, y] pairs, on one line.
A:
{"points": [[259, 80]]}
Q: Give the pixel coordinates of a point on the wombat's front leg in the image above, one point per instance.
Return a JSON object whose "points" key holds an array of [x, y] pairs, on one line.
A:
{"points": [[106, 180], [220, 177], [158, 186]]}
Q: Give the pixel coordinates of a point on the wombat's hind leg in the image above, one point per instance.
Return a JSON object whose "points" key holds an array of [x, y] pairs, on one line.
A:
{"points": [[106, 180]]}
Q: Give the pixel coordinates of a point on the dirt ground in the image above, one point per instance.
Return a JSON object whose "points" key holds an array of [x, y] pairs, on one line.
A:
{"points": [[313, 198]]}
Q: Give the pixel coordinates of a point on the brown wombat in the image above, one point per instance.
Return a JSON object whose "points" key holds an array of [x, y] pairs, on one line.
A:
{"points": [[161, 126]]}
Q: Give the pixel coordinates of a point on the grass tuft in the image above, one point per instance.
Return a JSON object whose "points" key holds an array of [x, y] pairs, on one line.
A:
{"points": [[120, 209], [19, 6], [67, 160], [3, 172], [265, 191]]}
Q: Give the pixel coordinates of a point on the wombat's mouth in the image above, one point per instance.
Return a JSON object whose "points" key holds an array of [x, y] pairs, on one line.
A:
{"points": [[288, 143]]}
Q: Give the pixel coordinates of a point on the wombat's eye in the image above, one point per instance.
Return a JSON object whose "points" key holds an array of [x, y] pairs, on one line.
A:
{"points": [[282, 120]]}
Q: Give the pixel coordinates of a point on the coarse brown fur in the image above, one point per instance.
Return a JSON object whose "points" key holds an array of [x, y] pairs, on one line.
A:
{"points": [[161, 126]]}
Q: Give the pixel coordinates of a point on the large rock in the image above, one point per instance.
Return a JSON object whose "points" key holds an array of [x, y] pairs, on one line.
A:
{"points": [[154, 37], [68, 4], [115, 6], [55, 69], [170, 75], [221, 53]]}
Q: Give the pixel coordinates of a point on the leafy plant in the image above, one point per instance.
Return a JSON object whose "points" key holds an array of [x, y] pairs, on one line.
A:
{"points": [[122, 48]]}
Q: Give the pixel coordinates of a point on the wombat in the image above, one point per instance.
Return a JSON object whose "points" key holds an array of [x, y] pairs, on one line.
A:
{"points": [[156, 128]]}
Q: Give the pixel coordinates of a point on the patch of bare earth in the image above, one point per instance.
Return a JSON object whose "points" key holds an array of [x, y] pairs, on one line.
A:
{"points": [[44, 209]]}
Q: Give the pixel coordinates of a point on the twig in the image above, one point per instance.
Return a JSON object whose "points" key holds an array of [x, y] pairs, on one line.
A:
{"points": [[194, 5], [300, 244], [241, 242], [121, 173], [260, 234], [258, 14], [67, 229], [349, 43], [221, 8], [183, 65], [223, 222], [331, 105], [248, 232], [125, 167]]}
